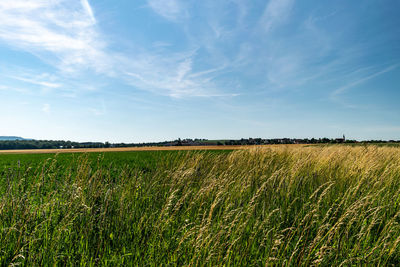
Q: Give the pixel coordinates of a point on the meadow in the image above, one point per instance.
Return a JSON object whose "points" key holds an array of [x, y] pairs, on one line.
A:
{"points": [[276, 205]]}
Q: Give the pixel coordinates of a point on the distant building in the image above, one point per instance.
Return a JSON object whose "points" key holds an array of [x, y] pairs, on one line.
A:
{"points": [[341, 140]]}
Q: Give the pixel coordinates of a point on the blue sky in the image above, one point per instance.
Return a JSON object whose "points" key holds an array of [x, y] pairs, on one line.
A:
{"points": [[138, 71]]}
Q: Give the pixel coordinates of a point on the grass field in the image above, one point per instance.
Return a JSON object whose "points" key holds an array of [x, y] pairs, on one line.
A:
{"points": [[121, 149], [277, 205]]}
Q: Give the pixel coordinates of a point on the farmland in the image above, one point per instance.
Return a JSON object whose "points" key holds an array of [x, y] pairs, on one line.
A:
{"points": [[120, 149], [283, 205]]}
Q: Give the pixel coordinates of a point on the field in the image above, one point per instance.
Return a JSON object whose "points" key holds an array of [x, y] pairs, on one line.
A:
{"points": [[273, 205], [121, 149]]}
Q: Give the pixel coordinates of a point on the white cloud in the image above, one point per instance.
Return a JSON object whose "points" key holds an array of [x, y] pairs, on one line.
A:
{"points": [[171, 75], [363, 80], [275, 13], [169, 9], [88, 9], [64, 34], [356, 80], [60, 32], [38, 81]]}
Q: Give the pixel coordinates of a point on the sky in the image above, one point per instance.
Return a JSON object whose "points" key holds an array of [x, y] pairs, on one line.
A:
{"points": [[155, 70]]}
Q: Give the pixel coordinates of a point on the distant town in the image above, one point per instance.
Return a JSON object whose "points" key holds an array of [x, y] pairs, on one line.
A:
{"points": [[13, 142]]}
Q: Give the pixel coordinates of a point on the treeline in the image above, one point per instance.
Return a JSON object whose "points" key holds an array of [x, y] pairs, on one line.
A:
{"points": [[47, 144], [50, 144]]}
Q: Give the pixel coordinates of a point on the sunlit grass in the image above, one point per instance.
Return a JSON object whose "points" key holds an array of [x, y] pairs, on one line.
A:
{"points": [[284, 205]]}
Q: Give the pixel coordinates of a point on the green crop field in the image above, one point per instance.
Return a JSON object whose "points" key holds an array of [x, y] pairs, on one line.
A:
{"points": [[278, 205]]}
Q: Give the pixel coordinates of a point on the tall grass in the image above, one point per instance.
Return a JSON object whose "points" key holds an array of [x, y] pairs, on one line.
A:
{"points": [[282, 205]]}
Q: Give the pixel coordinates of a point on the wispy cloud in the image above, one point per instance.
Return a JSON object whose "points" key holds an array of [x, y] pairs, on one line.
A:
{"points": [[171, 75], [275, 13], [361, 80], [60, 32], [31, 81], [357, 78], [170, 9], [37, 81], [65, 34], [88, 10]]}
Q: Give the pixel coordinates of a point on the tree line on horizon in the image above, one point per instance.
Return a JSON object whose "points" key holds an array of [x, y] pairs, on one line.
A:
{"points": [[51, 144]]}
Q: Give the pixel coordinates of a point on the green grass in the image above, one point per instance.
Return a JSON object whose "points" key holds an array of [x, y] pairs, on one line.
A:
{"points": [[283, 205]]}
